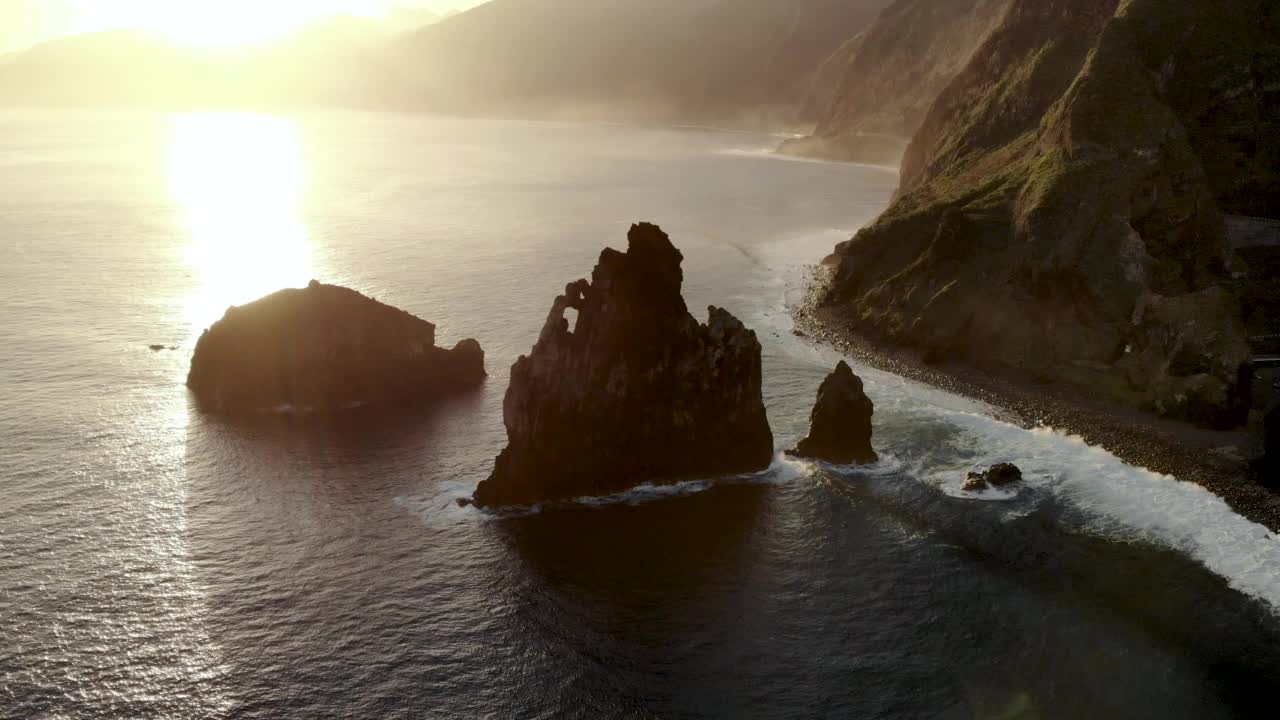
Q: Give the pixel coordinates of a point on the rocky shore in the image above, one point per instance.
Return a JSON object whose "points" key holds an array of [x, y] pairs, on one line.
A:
{"points": [[1215, 460]]}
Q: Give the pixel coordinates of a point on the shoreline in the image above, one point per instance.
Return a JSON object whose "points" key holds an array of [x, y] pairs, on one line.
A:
{"points": [[1215, 460]]}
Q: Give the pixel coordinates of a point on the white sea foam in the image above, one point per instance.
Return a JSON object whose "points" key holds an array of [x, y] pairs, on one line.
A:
{"points": [[886, 466], [1123, 501], [781, 471]]}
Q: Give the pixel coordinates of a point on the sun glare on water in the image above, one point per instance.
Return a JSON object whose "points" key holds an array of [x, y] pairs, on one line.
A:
{"points": [[239, 178]]}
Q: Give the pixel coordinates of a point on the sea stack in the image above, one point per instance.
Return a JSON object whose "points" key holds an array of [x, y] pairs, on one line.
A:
{"points": [[636, 392], [325, 348], [840, 425]]}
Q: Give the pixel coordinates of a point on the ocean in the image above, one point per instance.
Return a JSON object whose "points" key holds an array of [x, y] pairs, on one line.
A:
{"points": [[156, 562]]}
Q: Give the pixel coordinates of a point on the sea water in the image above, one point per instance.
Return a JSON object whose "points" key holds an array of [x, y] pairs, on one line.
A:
{"points": [[159, 563]]}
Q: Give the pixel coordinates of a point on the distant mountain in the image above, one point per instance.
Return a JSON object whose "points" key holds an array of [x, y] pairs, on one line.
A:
{"points": [[405, 19], [692, 61], [326, 62], [710, 61], [1061, 208], [871, 95]]}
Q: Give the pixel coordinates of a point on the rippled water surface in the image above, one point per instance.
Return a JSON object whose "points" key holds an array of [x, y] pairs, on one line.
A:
{"points": [[157, 563]]}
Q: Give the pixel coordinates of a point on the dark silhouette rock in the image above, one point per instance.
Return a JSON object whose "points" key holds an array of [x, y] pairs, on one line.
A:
{"points": [[1268, 466], [637, 392], [156, 348], [840, 425], [326, 348], [997, 476]]}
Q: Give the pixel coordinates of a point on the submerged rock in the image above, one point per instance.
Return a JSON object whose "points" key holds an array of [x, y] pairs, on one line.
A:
{"points": [[636, 392], [325, 348], [997, 476], [840, 425]]}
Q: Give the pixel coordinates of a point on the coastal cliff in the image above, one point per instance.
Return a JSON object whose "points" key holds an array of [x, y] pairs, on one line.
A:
{"points": [[635, 391], [1061, 209], [322, 348], [872, 94]]}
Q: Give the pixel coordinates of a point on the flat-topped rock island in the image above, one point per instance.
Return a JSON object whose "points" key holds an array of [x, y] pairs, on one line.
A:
{"points": [[326, 348]]}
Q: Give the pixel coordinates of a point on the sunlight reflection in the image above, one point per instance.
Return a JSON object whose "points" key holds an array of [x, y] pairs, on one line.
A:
{"points": [[240, 177]]}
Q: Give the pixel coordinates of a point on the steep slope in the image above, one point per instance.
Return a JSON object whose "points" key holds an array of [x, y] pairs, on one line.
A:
{"points": [[871, 95], [1060, 212], [685, 60]]}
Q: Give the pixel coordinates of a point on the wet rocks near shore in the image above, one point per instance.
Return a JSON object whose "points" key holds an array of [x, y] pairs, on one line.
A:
{"points": [[840, 425], [636, 392], [326, 348], [996, 476]]}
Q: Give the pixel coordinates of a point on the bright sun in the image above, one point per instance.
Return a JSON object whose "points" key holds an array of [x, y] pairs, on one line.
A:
{"points": [[225, 23]]}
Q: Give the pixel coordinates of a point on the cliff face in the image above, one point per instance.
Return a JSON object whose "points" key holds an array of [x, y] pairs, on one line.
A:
{"points": [[325, 348], [636, 391], [871, 95], [1061, 207]]}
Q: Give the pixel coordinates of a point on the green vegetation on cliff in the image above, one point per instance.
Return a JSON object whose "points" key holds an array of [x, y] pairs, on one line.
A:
{"points": [[1061, 207]]}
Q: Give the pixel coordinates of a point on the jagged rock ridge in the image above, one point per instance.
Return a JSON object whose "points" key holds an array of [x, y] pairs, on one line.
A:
{"points": [[637, 391], [326, 347]]}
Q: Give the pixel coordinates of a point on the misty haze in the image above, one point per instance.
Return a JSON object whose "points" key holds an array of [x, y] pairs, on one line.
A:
{"points": [[613, 359]]}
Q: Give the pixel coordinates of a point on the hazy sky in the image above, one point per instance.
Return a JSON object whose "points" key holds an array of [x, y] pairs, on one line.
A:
{"points": [[26, 22]]}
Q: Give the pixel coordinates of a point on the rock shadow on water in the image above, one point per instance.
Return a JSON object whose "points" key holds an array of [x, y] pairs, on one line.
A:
{"points": [[317, 582], [624, 551], [353, 435], [623, 593]]}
